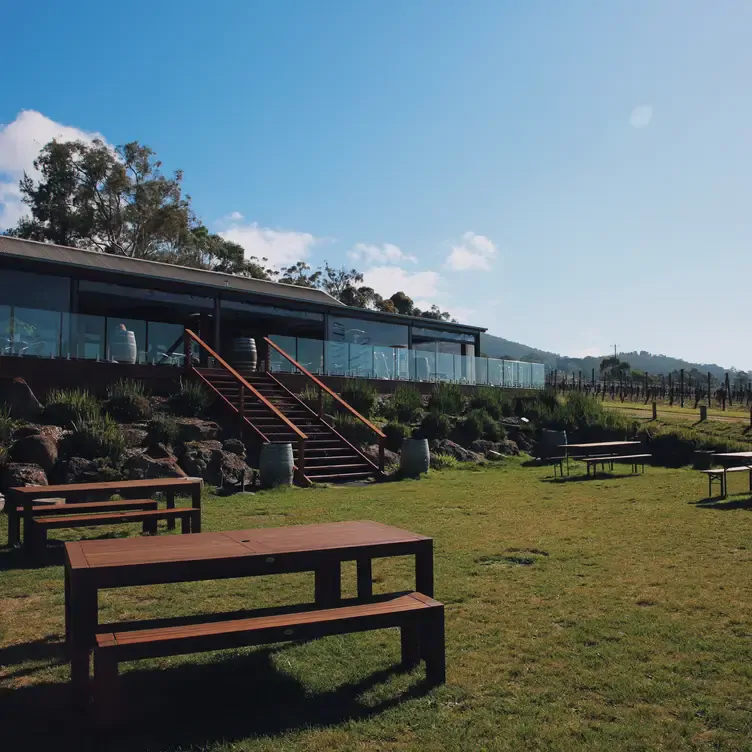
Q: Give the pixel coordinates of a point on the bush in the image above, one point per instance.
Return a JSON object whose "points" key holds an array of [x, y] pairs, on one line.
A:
{"points": [[3, 455], [491, 401], [354, 430], [405, 404], [191, 400], [100, 437], [361, 396], [443, 462], [478, 424], [435, 426], [310, 395], [446, 399], [162, 429], [7, 424], [395, 433], [127, 401], [66, 407]]}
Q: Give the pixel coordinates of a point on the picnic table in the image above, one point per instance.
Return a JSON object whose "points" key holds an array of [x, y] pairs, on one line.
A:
{"points": [[93, 565], [719, 474], [25, 496], [598, 446]]}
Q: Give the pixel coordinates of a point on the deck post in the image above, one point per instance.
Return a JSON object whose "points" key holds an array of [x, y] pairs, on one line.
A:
{"points": [[381, 453], [301, 461]]}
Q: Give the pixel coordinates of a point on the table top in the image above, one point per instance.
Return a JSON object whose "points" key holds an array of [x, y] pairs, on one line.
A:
{"points": [[107, 486], [275, 541], [597, 444]]}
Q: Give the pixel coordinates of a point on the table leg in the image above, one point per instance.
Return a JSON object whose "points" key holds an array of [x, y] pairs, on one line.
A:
{"points": [[82, 628], [170, 498], [11, 504], [27, 517], [365, 579], [196, 501], [424, 569], [67, 610], [328, 584]]}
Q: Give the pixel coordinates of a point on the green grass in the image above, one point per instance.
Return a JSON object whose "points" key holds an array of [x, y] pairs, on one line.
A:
{"points": [[611, 614]]}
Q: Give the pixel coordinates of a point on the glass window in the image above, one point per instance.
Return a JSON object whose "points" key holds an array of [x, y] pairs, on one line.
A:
{"points": [[36, 332], [126, 340], [366, 332], [278, 363], [311, 355], [83, 336], [34, 290], [423, 334], [5, 332], [165, 344]]}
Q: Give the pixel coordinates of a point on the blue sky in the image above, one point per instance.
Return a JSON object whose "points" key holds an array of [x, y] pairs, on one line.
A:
{"points": [[570, 175]]}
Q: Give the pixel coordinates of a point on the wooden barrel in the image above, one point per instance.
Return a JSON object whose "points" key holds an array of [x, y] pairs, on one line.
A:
{"points": [[123, 348], [276, 465], [550, 444], [415, 457], [244, 355]]}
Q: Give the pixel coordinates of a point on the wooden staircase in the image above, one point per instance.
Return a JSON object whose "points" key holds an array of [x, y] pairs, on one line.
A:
{"points": [[328, 457]]}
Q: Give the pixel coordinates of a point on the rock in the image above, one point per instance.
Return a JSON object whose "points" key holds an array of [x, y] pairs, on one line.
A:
{"points": [[196, 457], [140, 467], [24, 431], [19, 474], [524, 441], [508, 447], [160, 452], [17, 395], [80, 470], [227, 469], [134, 437], [390, 458], [236, 446], [38, 449], [445, 446], [483, 446], [195, 429]]}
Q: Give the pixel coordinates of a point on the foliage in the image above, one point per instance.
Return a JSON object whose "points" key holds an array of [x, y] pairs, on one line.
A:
{"points": [[127, 400], [162, 429], [405, 404], [354, 430], [674, 446], [3, 455], [65, 407], [395, 433], [443, 462], [361, 396], [435, 425], [7, 424], [191, 400], [478, 424], [98, 437], [493, 401], [446, 399], [614, 369], [310, 395]]}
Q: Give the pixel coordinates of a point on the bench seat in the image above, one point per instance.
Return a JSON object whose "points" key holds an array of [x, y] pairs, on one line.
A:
{"points": [[91, 506], [420, 619], [718, 474], [632, 459]]}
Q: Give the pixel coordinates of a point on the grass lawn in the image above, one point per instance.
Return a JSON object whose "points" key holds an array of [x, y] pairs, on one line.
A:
{"points": [[610, 614]]}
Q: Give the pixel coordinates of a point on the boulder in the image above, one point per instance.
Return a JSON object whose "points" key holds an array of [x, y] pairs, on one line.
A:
{"points": [[390, 458], [141, 466], [508, 447], [236, 446], [17, 395], [160, 452], [196, 457], [445, 446], [483, 446], [227, 469], [20, 474], [134, 437], [80, 470], [195, 429], [523, 441], [23, 431], [37, 449]]}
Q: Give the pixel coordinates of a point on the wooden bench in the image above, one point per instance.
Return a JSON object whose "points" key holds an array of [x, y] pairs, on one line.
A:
{"points": [[719, 474], [636, 460], [91, 506], [555, 461], [188, 517], [420, 619]]}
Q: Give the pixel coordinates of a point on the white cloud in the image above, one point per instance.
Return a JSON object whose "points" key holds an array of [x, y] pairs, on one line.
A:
{"points": [[387, 280], [384, 254], [235, 216], [20, 143], [280, 247], [473, 252], [641, 116]]}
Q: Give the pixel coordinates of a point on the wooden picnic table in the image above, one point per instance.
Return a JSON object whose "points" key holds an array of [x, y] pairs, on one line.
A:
{"points": [[25, 496], [94, 565], [596, 445]]}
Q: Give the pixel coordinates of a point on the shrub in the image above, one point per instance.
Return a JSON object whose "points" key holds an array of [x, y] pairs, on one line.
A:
{"points": [[3, 455], [361, 396], [491, 401], [162, 429], [127, 401], [405, 405], [354, 430], [435, 426], [310, 395], [191, 400], [7, 424], [478, 424], [66, 407], [443, 462], [395, 433], [100, 437], [446, 399]]}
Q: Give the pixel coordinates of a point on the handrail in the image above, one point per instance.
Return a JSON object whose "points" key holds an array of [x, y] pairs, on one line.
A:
{"points": [[320, 384], [253, 391]]}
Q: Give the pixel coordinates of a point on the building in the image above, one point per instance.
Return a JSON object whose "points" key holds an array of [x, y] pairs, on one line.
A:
{"points": [[66, 303]]}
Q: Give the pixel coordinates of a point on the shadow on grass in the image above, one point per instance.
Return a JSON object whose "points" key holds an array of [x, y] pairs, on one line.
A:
{"points": [[585, 478], [723, 505], [191, 706]]}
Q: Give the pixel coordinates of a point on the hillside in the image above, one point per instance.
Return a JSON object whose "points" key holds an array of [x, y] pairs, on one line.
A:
{"points": [[497, 347]]}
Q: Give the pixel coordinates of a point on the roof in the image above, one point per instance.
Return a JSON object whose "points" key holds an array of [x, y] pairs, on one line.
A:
{"points": [[61, 254]]}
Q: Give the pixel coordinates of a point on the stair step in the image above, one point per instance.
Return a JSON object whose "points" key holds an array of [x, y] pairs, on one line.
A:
{"points": [[326, 469], [330, 458], [344, 477]]}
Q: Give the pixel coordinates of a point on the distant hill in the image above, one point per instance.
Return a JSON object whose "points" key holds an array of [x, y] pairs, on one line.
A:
{"points": [[497, 347]]}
